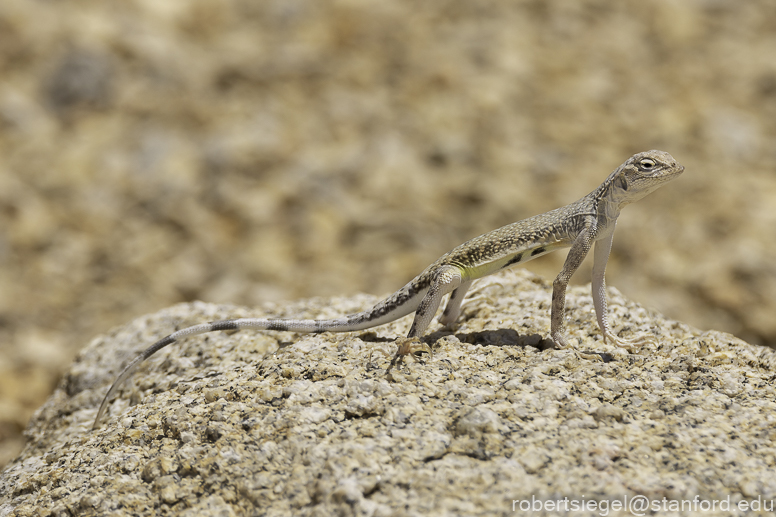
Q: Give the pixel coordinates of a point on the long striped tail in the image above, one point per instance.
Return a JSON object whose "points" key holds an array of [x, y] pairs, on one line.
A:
{"points": [[399, 304]]}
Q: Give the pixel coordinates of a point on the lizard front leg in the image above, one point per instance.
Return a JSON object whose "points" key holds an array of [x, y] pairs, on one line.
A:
{"points": [[576, 255], [600, 258]]}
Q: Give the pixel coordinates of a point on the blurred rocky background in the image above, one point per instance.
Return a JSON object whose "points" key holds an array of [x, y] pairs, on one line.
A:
{"points": [[240, 151]]}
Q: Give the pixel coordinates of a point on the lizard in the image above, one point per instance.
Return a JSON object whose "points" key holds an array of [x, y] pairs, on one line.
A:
{"points": [[587, 221]]}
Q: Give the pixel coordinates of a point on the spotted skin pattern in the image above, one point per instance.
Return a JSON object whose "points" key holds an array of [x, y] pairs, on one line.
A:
{"points": [[578, 225]]}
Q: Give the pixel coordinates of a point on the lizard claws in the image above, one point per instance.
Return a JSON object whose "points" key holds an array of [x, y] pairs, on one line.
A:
{"points": [[407, 347], [630, 344]]}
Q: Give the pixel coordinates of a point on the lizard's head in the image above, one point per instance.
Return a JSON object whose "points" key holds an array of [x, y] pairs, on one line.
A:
{"points": [[643, 173]]}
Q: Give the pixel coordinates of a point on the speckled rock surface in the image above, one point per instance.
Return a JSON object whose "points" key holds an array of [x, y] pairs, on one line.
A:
{"points": [[262, 423], [240, 151]]}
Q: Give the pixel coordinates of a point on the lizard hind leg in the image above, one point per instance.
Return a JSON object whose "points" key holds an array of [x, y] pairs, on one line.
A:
{"points": [[453, 307], [446, 279], [457, 298]]}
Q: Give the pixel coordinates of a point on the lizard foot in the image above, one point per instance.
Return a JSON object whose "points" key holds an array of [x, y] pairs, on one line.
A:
{"points": [[630, 344], [562, 343], [407, 347]]}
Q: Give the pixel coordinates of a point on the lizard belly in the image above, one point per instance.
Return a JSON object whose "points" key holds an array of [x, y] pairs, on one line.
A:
{"points": [[486, 268]]}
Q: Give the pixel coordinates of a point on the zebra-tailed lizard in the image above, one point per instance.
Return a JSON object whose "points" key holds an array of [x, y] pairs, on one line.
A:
{"points": [[589, 220]]}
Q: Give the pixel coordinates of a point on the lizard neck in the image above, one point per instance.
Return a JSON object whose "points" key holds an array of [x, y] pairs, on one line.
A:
{"points": [[609, 198]]}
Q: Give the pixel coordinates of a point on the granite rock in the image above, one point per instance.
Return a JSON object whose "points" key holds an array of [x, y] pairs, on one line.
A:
{"points": [[267, 423], [235, 151]]}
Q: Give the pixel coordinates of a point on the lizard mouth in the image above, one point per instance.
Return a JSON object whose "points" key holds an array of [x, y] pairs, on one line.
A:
{"points": [[676, 171]]}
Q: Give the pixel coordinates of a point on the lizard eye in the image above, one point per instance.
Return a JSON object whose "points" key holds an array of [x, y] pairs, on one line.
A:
{"points": [[647, 163]]}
